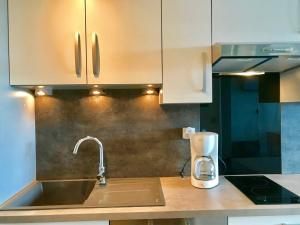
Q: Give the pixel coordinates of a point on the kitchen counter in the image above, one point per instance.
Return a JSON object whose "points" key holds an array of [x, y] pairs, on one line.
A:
{"points": [[182, 201]]}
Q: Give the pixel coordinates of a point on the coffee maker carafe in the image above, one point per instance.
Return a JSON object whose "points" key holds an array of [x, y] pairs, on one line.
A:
{"points": [[204, 159]]}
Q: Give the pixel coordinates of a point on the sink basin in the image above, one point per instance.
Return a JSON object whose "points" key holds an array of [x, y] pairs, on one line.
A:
{"points": [[127, 192], [118, 192], [52, 193]]}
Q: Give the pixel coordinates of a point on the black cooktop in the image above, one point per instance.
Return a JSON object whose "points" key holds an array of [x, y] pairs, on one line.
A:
{"points": [[263, 191]]}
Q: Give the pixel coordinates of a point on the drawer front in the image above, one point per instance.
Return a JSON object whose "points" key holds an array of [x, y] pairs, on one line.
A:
{"points": [[265, 220]]}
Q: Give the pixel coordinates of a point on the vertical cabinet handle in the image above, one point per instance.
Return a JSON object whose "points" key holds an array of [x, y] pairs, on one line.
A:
{"points": [[204, 61], [96, 55], [150, 222], [78, 54]]}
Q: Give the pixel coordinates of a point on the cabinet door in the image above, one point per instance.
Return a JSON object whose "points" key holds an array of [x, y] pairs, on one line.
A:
{"points": [[187, 72], [42, 42], [124, 42], [265, 220], [256, 21]]}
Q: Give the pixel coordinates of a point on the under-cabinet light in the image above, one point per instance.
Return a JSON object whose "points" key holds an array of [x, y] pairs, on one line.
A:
{"points": [[43, 91], [150, 91], [96, 91]]}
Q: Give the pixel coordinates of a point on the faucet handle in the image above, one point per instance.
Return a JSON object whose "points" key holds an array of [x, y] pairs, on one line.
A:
{"points": [[101, 179], [101, 176], [101, 170]]}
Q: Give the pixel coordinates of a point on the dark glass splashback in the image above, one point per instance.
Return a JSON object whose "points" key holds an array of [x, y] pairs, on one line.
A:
{"points": [[246, 114]]}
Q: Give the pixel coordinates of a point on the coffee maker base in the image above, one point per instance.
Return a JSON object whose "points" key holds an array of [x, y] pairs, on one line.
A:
{"points": [[205, 184]]}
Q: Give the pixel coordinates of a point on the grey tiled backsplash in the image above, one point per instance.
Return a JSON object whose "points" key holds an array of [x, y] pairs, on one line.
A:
{"points": [[141, 138]]}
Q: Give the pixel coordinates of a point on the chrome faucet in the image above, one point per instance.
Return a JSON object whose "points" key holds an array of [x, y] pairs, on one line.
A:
{"points": [[100, 176]]}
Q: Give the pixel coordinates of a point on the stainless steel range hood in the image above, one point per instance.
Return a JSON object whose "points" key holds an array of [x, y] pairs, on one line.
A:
{"points": [[264, 57]]}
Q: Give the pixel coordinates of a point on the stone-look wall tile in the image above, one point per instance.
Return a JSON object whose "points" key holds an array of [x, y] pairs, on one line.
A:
{"points": [[290, 137], [141, 138]]}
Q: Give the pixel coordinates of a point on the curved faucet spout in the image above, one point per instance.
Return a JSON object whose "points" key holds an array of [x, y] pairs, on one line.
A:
{"points": [[100, 176]]}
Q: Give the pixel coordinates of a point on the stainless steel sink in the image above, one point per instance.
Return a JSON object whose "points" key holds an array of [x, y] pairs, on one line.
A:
{"points": [[127, 192], [53, 193], [121, 192]]}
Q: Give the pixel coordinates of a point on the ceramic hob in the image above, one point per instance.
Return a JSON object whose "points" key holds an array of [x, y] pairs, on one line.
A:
{"points": [[263, 191]]}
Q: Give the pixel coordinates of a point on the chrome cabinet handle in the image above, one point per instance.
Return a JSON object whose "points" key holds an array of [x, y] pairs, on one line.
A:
{"points": [[150, 222], [96, 55], [204, 59], [187, 222], [78, 64]]}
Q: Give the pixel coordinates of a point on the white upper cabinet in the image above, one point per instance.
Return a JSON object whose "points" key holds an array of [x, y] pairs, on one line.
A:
{"points": [[256, 21], [124, 42], [186, 35], [42, 42]]}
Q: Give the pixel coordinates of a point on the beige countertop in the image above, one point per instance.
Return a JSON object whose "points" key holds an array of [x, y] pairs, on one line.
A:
{"points": [[182, 201]]}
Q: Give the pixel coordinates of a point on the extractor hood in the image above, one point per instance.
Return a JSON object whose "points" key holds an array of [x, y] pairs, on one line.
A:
{"points": [[254, 58]]}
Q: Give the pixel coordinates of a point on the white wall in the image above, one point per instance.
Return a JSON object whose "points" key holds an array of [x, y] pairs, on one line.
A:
{"points": [[289, 86], [17, 125]]}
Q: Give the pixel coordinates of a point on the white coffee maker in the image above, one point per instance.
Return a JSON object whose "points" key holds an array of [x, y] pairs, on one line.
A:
{"points": [[204, 160]]}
